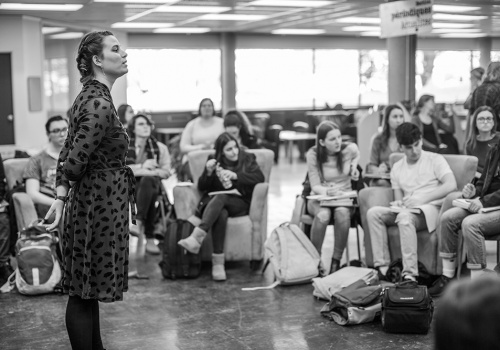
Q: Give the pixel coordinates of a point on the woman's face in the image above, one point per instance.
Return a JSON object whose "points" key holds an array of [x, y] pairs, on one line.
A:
{"points": [[234, 131], [484, 121], [129, 114], [142, 128], [231, 151], [332, 141], [114, 58], [207, 110], [430, 104], [396, 118]]}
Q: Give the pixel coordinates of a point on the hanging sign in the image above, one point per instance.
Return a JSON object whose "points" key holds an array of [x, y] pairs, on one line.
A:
{"points": [[399, 18]]}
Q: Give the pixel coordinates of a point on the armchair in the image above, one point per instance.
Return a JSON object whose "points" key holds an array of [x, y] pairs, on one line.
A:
{"points": [[464, 169], [24, 207], [246, 234]]}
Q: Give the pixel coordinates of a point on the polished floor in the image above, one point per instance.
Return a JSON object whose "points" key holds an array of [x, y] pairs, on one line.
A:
{"points": [[202, 314]]}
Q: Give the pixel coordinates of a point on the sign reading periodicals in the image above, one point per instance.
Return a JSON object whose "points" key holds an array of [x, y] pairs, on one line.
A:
{"points": [[399, 18]]}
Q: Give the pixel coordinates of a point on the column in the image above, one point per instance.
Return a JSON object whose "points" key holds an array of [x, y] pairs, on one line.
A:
{"points": [[485, 45], [401, 80], [228, 47]]}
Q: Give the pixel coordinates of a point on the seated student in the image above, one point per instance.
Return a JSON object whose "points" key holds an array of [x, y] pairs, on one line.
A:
{"points": [[237, 124], [384, 144], [40, 173], [230, 168], [468, 314], [150, 162], [125, 113], [474, 226], [483, 135], [417, 179], [331, 166], [5, 268], [430, 124]]}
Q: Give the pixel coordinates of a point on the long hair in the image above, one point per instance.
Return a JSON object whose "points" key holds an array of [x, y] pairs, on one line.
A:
{"points": [[321, 153], [122, 110], [471, 141], [239, 119], [220, 143], [421, 102], [204, 100], [493, 72], [386, 129], [90, 46]]}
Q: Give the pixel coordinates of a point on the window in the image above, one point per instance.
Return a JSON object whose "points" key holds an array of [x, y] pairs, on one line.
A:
{"points": [[173, 80], [56, 86], [444, 74], [274, 78], [373, 72]]}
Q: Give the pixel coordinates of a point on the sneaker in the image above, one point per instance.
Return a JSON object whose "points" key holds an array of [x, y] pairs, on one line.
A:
{"points": [[439, 286], [5, 271], [151, 247]]}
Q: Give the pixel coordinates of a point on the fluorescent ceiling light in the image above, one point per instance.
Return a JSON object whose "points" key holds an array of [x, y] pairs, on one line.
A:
{"points": [[449, 17], [137, 25], [69, 35], [456, 30], [192, 9], [290, 3], [52, 30], [40, 7], [363, 20], [181, 30], [230, 17], [452, 25], [463, 35], [298, 31], [451, 8], [360, 29], [164, 2], [370, 34]]}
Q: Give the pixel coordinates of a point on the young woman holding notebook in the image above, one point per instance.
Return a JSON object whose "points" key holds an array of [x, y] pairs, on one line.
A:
{"points": [[331, 166]]}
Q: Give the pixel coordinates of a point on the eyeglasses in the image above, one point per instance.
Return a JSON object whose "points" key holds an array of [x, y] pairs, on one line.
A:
{"points": [[59, 131], [485, 120]]}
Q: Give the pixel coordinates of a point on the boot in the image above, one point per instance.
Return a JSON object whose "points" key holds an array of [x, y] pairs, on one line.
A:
{"points": [[218, 271], [193, 243]]}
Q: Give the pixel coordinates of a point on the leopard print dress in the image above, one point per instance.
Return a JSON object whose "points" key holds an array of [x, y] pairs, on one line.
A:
{"points": [[96, 215]]}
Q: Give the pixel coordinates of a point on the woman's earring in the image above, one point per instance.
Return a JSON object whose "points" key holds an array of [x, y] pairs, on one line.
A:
{"points": [[102, 70]]}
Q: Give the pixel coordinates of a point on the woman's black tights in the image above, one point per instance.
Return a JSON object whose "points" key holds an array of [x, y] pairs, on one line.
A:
{"points": [[82, 323]]}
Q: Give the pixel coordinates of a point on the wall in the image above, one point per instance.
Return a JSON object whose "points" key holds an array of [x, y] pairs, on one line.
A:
{"points": [[21, 36]]}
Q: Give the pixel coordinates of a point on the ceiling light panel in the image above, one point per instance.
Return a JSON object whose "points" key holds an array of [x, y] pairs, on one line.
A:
{"points": [[463, 35], [193, 9], [362, 20], [449, 17], [68, 35], [451, 8], [185, 30], [40, 7], [163, 2], [230, 17], [291, 3], [377, 34], [52, 30], [292, 31], [360, 29], [452, 25], [141, 25], [456, 30]]}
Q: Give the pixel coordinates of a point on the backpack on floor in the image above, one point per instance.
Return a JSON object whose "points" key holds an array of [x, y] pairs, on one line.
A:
{"points": [[177, 262], [292, 255], [38, 270]]}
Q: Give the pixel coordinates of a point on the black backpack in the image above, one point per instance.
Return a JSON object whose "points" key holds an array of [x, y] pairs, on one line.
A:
{"points": [[177, 262]]}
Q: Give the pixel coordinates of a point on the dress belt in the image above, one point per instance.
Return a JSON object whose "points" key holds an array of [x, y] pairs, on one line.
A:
{"points": [[131, 185]]}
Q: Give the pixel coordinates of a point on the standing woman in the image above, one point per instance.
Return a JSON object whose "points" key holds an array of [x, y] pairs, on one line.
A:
{"points": [[384, 144], [95, 188], [230, 168], [330, 167]]}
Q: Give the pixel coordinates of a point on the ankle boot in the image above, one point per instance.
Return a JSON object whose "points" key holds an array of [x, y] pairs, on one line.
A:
{"points": [[218, 271], [193, 243]]}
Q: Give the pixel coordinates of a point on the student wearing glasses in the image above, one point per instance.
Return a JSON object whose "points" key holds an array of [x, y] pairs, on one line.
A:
{"points": [[40, 173]]}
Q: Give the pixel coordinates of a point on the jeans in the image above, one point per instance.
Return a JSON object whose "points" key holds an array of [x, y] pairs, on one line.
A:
{"points": [[147, 190], [341, 224], [215, 216], [474, 228], [379, 218]]}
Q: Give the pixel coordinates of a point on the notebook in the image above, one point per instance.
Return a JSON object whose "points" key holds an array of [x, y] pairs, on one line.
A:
{"points": [[465, 203]]}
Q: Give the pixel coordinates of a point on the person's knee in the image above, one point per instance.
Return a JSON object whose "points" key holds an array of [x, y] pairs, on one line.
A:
{"points": [[372, 214], [469, 225], [405, 218], [324, 216]]}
